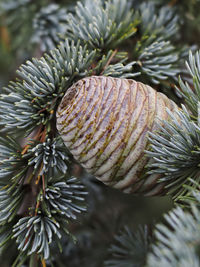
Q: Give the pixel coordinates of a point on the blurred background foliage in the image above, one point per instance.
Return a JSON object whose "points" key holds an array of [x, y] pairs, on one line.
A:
{"points": [[166, 30]]}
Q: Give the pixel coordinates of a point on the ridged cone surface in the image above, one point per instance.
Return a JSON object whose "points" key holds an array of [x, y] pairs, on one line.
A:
{"points": [[104, 123]]}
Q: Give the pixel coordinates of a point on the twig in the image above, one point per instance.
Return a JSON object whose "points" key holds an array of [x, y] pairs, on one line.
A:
{"points": [[109, 60]]}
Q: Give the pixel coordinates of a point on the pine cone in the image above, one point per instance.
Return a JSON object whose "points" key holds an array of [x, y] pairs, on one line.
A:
{"points": [[104, 122]]}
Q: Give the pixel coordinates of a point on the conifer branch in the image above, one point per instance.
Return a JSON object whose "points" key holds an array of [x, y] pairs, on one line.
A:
{"points": [[177, 239], [48, 24], [31, 100], [163, 23], [175, 151], [130, 249], [118, 38], [157, 59], [191, 93], [102, 25]]}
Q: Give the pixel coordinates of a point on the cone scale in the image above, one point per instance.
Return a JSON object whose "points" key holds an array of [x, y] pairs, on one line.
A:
{"points": [[104, 122]]}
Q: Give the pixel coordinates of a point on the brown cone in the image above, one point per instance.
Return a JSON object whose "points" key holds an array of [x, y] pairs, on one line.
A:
{"points": [[104, 122]]}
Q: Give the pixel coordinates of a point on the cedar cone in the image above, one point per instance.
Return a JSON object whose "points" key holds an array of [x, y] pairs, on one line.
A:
{"points": [[104, 123]]}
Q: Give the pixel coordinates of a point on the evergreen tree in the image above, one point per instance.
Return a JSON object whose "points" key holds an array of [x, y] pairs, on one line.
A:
{"points": [[54, 213]]}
